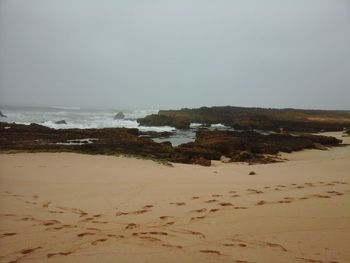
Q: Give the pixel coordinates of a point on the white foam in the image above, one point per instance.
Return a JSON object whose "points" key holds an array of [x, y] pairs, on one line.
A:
{"points": [[195, 125], [78, 141], [218, 125], [65, 108], [81, 119]]}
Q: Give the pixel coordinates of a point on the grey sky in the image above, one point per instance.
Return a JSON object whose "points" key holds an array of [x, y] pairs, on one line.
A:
{"points": [[170, 54]]}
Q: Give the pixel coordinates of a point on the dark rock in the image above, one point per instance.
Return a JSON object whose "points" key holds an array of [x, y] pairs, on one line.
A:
{"points": [[61, 122], [209, 145], [162, 120], [201, 161], [119, 116], [225, 159], [251, 147], [253, 118], [243, 156], [2, 115], [252, 173], [166, 143]]}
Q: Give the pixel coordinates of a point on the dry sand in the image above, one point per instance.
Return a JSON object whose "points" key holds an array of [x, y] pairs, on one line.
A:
{"points": [[62, 207]]}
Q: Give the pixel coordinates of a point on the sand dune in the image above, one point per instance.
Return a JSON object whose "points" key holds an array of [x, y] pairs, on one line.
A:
{"points": [[61, 207]]}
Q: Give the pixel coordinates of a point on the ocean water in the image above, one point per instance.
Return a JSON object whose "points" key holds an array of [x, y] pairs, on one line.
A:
{"points": [[81, 118], [84, 118]]}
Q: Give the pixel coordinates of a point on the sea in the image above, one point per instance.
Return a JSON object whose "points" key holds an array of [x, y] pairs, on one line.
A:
{"points": [[86, 118]]}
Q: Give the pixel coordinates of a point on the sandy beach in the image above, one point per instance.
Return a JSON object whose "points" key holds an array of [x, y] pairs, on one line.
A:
{"points": [[64, 207]]}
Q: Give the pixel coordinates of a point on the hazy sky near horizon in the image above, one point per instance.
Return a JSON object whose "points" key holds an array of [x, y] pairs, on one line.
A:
{"points": [[171, 54]]}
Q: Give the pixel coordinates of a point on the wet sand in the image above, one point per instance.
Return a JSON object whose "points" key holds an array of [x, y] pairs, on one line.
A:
{"points": [[63, 207]]}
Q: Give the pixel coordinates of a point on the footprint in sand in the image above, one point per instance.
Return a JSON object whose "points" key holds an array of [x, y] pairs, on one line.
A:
{"points": [[190, 232], [94, 243], [8, 234], [132, 226], [50, 222], [211, 252], [157, 233], [86, 234], [322, 196], [28, 218], [139, 212], [225, 204], [55, 212], [334, 193], [178, 203], [211, 201], [199, 210], [98, 215], [59, 254], [172, 246], [195, 218], [234, 245], [166, 217], [274, 245], [255, 191], [151, 239], [121, 213], [286, 200], [29, 250]]}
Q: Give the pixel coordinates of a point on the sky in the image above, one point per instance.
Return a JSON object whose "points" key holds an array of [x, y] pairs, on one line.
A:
{"points": [[172, 54]]}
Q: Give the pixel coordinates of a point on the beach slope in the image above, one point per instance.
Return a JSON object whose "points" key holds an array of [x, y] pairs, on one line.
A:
{"points": [[65, 207]]}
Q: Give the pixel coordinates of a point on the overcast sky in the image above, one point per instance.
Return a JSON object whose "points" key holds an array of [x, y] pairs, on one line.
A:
{"points": [[170, 54]]}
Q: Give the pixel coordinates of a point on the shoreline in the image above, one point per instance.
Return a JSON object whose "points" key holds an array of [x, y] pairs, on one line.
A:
{"points": [[68, 207]]}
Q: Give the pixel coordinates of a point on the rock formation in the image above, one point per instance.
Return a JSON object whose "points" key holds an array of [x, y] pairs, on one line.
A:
{"points": [[61, 122], [240, 118], [2, 115], [209, 145], [119, 116]]}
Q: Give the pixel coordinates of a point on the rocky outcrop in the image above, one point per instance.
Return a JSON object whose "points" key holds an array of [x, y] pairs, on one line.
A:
{"points": [[162, 120], [252, 146], [2, 115], [119, 116], [61, 122], [253, 118], [201, 161], [209, 145]]}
